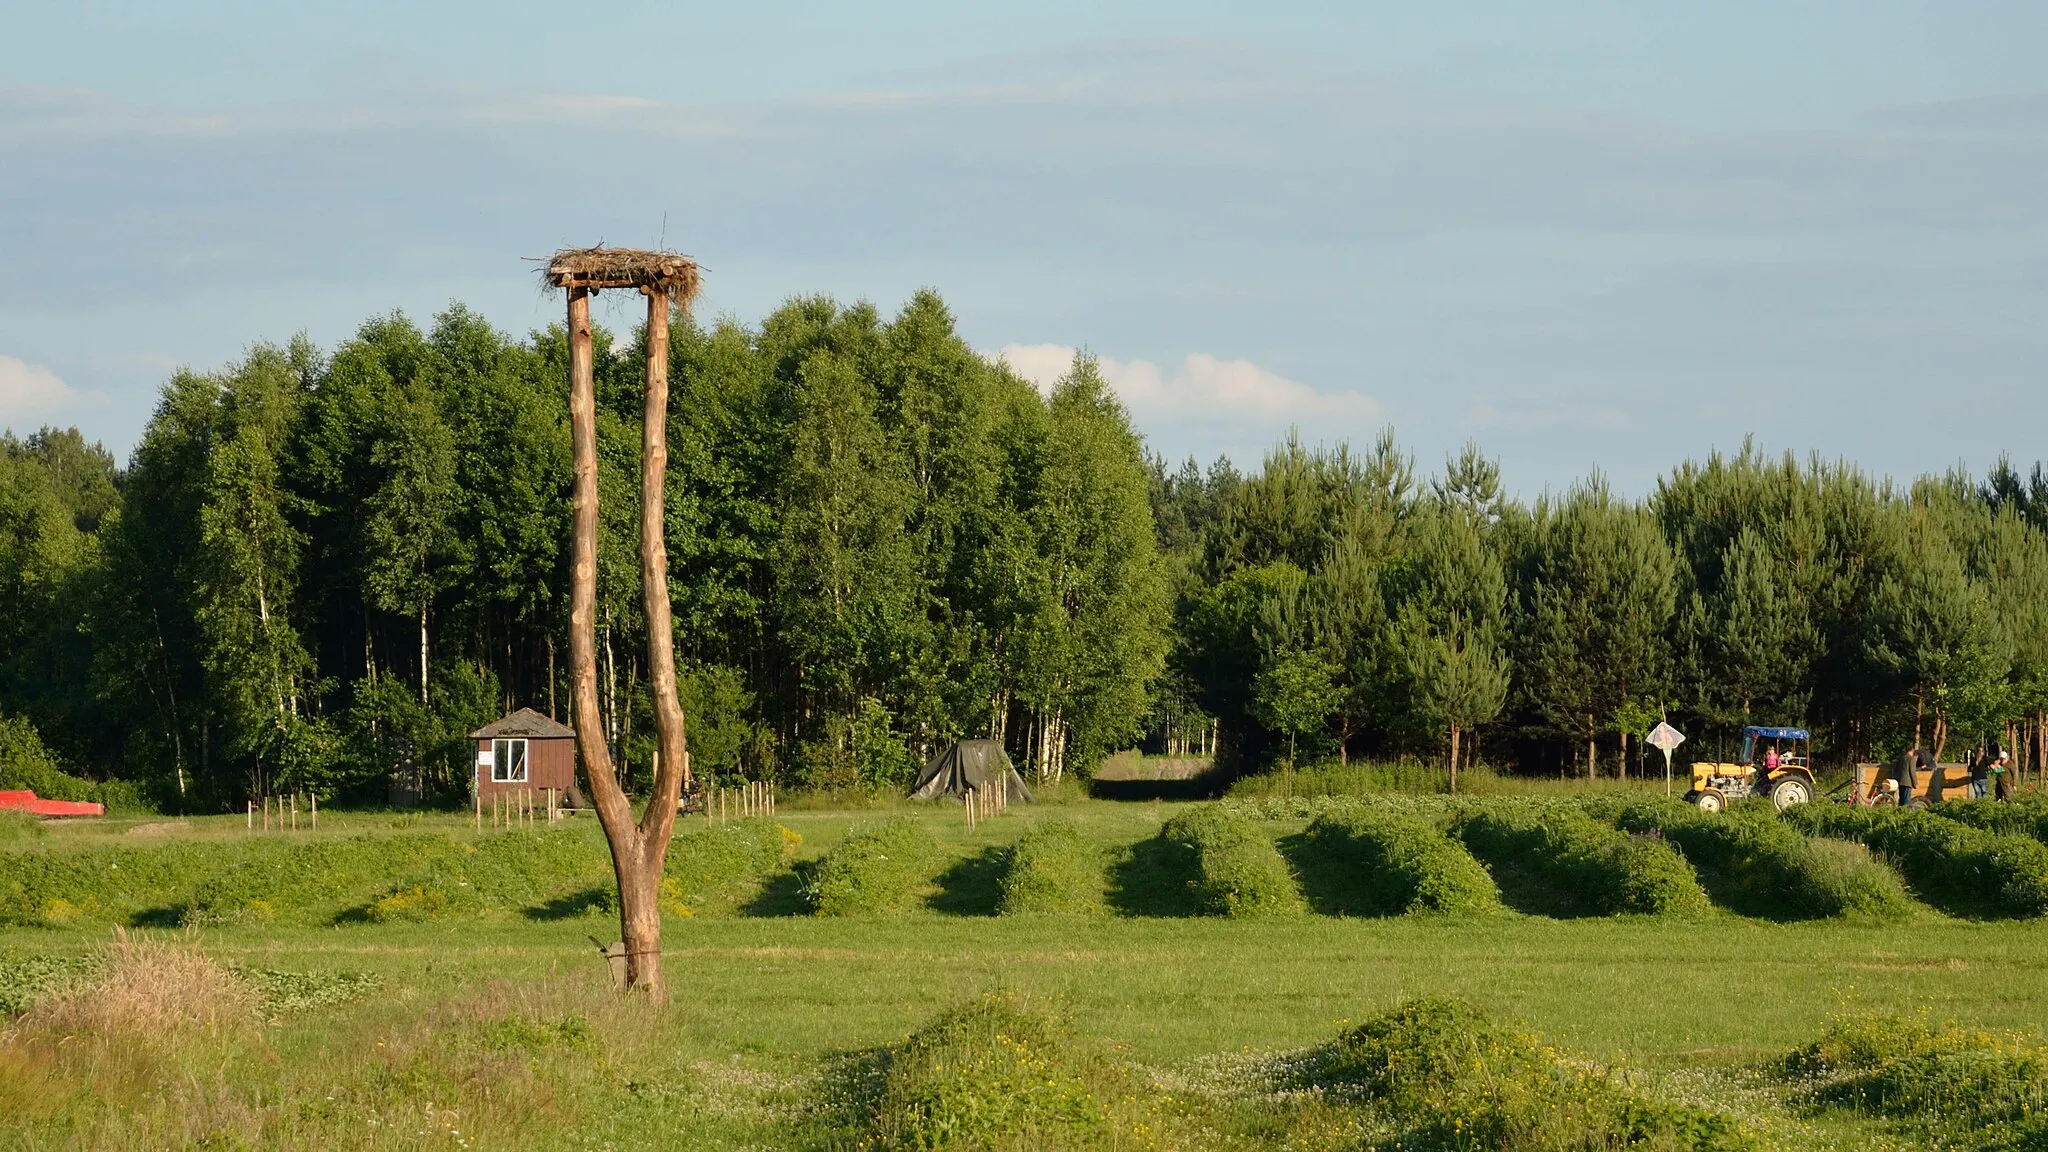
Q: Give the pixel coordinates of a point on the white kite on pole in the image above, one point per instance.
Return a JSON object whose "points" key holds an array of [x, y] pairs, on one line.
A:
{"points": [[1664, 738]]}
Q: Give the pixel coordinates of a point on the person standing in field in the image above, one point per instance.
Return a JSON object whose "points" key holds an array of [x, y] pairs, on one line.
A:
{"points": [[1902, 775], [2001, 777], [1937, 783]]}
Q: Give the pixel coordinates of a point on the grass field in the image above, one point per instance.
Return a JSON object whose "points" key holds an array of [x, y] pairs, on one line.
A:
{"points": [[496, 1029]]}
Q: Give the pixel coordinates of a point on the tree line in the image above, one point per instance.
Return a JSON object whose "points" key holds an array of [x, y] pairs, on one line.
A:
{"points": [[319, 570]]}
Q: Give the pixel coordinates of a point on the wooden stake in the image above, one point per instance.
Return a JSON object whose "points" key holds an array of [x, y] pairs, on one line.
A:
{"points": [[477, 797], [251, 815], [295, 811], [313, 798]]}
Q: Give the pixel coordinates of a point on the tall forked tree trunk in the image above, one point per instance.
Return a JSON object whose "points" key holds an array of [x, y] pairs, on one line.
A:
{"points": [[638, 849]]}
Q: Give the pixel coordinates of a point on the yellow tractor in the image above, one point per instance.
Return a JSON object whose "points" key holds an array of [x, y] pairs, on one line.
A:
{"points": [[1774, 763]]}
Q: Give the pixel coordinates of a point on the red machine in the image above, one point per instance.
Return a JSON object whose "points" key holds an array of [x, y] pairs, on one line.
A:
{"points": [[28, 802]]}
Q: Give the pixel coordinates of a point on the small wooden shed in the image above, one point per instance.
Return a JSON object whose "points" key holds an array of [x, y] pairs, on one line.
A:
{"points": [[525, 753]]}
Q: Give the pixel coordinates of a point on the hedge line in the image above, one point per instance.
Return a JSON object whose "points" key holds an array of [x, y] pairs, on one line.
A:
{"points": [[2024, 815], [878, 869], [2004, 875], [1398, 864], [1774, 863], [1052, 868], [1237, 869], [1450, 1078], [1612, 871]]}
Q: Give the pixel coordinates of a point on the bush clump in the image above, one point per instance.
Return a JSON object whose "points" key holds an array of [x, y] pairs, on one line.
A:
{"points": [[1450, 1078], [1773, 865], [1610, 871], [880, 868], [1052, 868], [1976, 1089], [2026, 814], [995, 1074], [722, 866], [1398, 864], [1978, 871], [1237, 869]]}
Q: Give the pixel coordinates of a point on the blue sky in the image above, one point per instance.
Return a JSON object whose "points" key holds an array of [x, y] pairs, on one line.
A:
{"points": [[1584, 233]]}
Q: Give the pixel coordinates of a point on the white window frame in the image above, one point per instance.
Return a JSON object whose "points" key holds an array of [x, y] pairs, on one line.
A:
{"points": [[503, 762]]}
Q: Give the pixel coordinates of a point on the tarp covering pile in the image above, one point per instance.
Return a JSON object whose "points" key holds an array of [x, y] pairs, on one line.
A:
{"points": [[969, 766]]}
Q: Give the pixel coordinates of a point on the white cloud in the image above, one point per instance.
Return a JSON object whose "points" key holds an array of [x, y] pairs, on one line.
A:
{"points": [[30, 391], [1202, 387]]}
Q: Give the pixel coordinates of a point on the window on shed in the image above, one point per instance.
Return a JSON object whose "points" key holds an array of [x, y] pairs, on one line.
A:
{"points": [[508, 761]]}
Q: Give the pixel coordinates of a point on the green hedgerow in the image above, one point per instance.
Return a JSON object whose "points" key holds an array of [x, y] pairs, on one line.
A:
{"points": [[2026, 814], [879, 868], [1985, 872], [1452, 1079], [1400, 864], [1774, 865], [1052, 868], [1238, 871], [1612, 871], [999, 1074], [1978, 1089], [722, 866]]}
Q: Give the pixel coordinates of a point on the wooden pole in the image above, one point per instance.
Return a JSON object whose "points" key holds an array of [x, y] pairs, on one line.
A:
{"points": [[313, 798], [251, 815], [295, 811], [476, 797]]}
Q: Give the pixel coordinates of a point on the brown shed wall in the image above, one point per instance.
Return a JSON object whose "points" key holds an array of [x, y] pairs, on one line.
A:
{"points": [[550, 763]]}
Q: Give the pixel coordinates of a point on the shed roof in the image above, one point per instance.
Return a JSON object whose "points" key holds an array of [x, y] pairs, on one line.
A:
{"points": [[525, 722]]}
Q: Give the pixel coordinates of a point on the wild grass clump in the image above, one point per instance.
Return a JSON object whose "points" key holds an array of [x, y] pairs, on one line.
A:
{"points": [[1448, 1077], [1972, 1088], [719, 867], [20, 828], [1392, 864], [1053, 869], [2026, 814], [1772, 868], [1969, 869], [996, 1074], [146, 990], [1237, 869], [878, 869], [1610, 872]]}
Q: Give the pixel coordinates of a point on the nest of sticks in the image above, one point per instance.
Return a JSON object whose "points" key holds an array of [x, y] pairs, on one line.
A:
{"points": [[601, 267]]}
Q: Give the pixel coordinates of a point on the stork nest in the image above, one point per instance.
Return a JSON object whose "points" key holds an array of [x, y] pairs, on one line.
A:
{"points": [[601, 267]]}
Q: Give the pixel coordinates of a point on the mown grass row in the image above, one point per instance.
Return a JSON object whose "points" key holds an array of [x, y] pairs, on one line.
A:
{"points": [[1382, 864], [413, 876], [1764, 867], [1964, 869], [1946, 1086], [1600, 869]]}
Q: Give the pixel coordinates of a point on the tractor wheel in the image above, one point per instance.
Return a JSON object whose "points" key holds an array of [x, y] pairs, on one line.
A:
{"points": [[1711, 800], [1789, 791]]}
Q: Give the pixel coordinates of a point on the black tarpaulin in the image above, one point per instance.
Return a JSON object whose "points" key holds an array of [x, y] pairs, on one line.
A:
{"points": [[970, 766]]}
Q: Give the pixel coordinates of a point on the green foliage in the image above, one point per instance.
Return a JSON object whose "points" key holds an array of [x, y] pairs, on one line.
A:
{"points": [[1237, 870], [1295, 693], [720, 867], [1964, 1088], [1611, 872], [998, 1075], [25, 763], [1778, 871], [1973, 870], [1451, 1078], [1053, 868], [877, 869], [1403, 864]]}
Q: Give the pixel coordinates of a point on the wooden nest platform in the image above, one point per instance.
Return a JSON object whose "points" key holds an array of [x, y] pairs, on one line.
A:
{"points": [[601, 267]]}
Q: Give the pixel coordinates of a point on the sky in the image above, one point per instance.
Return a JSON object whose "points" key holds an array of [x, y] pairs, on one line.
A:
{"points": [[1586, 234]]}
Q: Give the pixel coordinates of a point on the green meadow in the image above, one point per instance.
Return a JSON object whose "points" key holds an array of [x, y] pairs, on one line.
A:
{"points": [[400, 981]]}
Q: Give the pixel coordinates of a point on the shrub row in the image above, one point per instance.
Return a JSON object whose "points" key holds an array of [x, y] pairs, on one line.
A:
{"points": [[879, 868], [1961, 1088], [1451, 1078], [997, 1074], [403, 876], [1984, 871], [1052, 868], [1398, 864], [1610, 871], [1773, 864], [2023, 815], [1237, 869]]}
